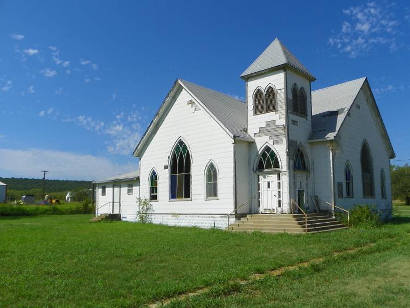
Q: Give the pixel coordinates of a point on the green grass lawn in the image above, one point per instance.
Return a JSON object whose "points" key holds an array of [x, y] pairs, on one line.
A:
{"points": [[66, 261]]}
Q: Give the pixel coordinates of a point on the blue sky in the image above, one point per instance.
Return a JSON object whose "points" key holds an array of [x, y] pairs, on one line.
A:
{"points": [[81, 80]]}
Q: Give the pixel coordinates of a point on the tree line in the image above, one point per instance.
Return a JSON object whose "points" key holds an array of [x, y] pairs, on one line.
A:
{"points": [[400, 182]]}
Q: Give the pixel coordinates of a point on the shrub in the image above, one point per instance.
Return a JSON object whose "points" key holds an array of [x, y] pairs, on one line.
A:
{"points": [[144, 208], [364, 216], [34, 210]]}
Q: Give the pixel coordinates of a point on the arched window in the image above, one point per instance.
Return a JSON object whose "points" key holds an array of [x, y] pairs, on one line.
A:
{"points": [[270, 99], [383, 184], [367, 171], [349, 180], [211, 178], [299, 162], [295, 105], [267, 159], [258, 102], [302, 101], [153, 186], [180, 172]]}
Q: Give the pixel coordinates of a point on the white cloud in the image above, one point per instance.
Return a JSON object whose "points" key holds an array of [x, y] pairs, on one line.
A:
{"points": [[366, 26], [61, 165], [49, 111], [31, 51], [53, 48], [47, 72], [16, 36], [65, 63], [85, 62], [94, 66], [31, 90], [7, 86]]}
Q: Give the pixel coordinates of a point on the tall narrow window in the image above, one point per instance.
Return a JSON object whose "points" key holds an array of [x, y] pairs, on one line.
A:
{"points": [[267, 160], [153, 186], [103, 190], [299, 161], [180, 172], [295, 105], [211, 182], [302, 101], [383, 184], [130, 189], [349, 180], [258, 102], [270, 99], [367, 171]]}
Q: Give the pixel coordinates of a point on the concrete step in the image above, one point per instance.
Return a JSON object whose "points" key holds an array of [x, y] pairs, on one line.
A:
{"points": [[291, 223]]}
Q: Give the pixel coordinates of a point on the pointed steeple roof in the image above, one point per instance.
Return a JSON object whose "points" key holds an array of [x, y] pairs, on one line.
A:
{"points": [[276, 56]]}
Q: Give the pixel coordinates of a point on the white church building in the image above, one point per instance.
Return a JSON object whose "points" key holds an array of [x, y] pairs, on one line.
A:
{"points": [[207, 157]]}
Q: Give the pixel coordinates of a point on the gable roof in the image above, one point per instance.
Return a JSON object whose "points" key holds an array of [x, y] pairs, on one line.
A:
{"points": [[121, 178], [3, 184], [330, 106], [276, 56], [229, 112]]}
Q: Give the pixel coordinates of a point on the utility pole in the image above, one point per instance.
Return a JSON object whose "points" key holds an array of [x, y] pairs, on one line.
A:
{"points": [[44, 181]]}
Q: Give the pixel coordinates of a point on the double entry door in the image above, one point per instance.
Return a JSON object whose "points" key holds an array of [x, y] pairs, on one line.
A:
{"points": [[270, 193]]}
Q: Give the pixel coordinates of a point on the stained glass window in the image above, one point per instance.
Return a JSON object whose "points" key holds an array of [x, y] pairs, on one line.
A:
{"points": [[295, 106], [299, 162], [153, 186], [302, 101], [180, 186], [383, 184], [349, 180], [267, 159], [211, 181], [367, 172]]}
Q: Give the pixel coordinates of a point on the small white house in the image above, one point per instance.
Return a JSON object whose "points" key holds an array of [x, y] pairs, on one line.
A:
{"points": [[3, 192], [207, 156], [118, 195]]}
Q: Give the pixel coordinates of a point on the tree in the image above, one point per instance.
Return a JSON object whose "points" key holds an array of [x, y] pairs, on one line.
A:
{"points": [[400, 181]]}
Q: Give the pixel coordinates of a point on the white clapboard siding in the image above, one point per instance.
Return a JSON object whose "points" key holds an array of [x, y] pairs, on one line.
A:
{"points": [[363, 124], [206, 140]]}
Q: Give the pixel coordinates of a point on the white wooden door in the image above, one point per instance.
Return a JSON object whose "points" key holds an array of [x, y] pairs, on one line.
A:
{"points": [[270, 193], [116, 198]]}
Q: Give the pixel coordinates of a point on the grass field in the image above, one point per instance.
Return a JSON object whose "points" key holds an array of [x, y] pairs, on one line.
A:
{"points": [[66, 261]]}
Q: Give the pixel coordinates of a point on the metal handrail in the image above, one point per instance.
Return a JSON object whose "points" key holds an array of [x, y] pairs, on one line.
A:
{"points": [[343, 209], [105, 204], [235, 211], [303, 212]]}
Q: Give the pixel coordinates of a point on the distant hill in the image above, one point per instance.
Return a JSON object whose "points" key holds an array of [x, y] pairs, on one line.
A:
{"points": [[22, 184]]}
